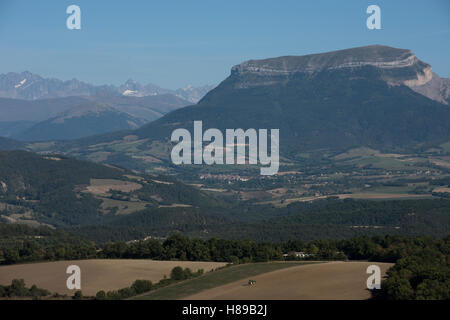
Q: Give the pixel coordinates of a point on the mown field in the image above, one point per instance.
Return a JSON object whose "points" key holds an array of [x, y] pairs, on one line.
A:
{"points": [[276, 281], [96, 275], [329, 281], [216, 279]]}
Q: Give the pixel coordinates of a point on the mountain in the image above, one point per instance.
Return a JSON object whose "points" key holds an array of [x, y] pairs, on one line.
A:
{"points": [[148, 108], [336, 100], [31, 107], [9, 144], [189, 93], [14, 110], [43, 119], [60, 191], [329, 101], [135, 89], [324, 104], [434, 87], [29, 86], [13, 128], [81, 121], [194, 94]]}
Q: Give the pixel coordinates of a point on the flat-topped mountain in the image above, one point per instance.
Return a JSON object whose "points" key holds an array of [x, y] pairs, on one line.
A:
{"points": [[352, 97], [366, 96], [378, 56], [399, 65], [396, 66]]}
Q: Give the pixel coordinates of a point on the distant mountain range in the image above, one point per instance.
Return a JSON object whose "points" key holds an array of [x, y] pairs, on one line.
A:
{"points": [[29, 86], [376, 96], [79, 116], [70, 109], [189, 93]]}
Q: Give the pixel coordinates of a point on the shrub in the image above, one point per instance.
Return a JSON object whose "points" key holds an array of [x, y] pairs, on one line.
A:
{"points": [[78, 295], [177, 273], [101, 295], [126, 293], [141, 286]]}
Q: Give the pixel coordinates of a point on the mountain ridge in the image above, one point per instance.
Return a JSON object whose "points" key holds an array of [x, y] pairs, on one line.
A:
{"points": [[379, 56], [19, 117], [30, 86], [331, 109]]}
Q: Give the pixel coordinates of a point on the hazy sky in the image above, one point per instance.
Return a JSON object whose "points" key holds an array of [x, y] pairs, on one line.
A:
{"points": [[175, 43]]}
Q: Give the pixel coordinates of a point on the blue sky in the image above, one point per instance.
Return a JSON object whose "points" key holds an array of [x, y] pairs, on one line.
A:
{"points": [[175, 43]]}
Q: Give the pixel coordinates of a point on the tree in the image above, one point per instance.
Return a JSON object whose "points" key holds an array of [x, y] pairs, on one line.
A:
{"points": [[188, 273], [11, 256], [177, 273], [101, 295], [18, 289], [78, 295], [432, 289], [234, 260], [141, 286], [2, 292], [126, 293], [397, 288]]}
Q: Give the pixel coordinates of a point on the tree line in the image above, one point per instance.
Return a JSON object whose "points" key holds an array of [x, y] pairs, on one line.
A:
{"points": [[421, 271]]}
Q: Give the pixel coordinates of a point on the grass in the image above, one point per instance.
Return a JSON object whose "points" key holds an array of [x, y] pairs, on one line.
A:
{"points": [[97, 274], [446, 146], [123, 207], [215, 279], [381, 163]]}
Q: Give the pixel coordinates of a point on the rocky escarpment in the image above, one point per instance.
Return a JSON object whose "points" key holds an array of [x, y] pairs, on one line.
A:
{"points": [[395, 66], [436, 88], [377, 56]]}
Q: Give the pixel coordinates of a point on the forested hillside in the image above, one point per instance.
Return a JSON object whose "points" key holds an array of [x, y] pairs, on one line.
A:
{"points": [[61, 191]]}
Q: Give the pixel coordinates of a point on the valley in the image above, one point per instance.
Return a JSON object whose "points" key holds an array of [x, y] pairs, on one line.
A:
{"points": [[364, 174]]}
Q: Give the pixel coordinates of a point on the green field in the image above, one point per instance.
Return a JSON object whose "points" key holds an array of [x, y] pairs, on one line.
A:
{"points": [[215, 279], [446, 146]]}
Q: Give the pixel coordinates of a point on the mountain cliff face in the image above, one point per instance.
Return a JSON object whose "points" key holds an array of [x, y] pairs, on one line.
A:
{"points": [[436, 88], [376, 55], [396, 67]]}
